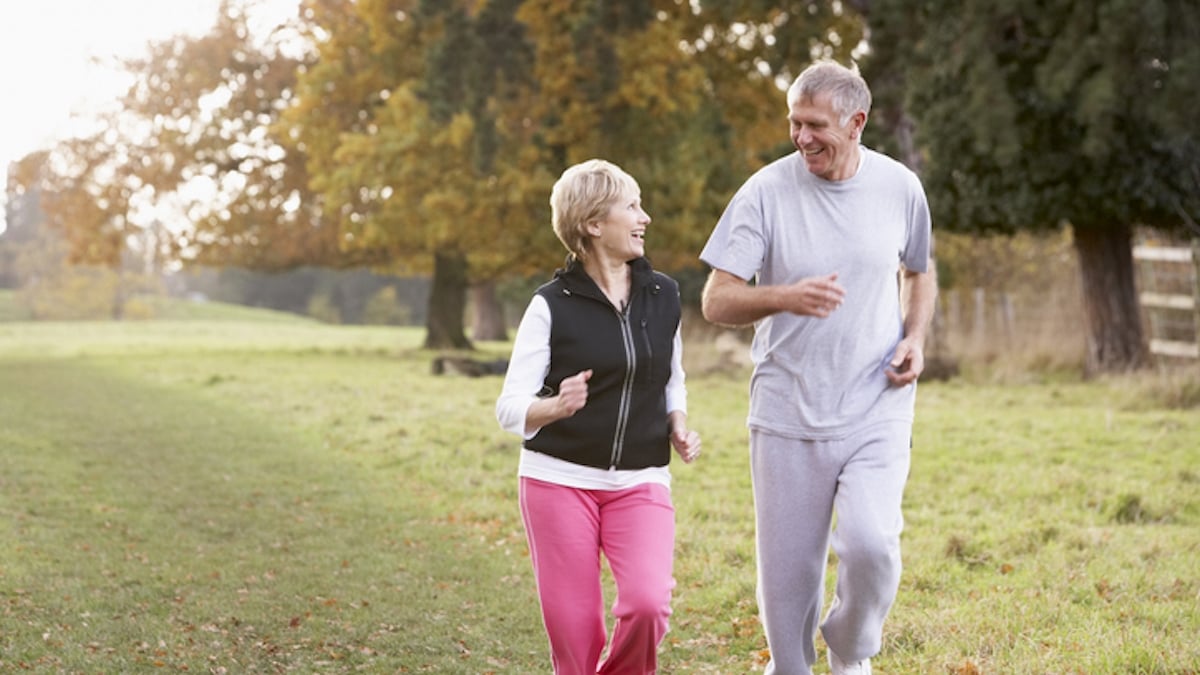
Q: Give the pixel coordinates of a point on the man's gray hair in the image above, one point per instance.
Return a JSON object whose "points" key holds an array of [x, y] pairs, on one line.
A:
{"points": [[847, 90]]}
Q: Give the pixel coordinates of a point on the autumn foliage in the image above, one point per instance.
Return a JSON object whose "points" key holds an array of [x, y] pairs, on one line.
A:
{"points": [[423, 137]]}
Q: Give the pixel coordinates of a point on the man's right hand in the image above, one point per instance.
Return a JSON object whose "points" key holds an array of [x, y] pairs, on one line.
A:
{"points": [[815, 296], [729, 300]]}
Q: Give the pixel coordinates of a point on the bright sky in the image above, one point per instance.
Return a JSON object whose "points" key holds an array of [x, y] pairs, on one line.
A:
{"points": [[48, 53]]}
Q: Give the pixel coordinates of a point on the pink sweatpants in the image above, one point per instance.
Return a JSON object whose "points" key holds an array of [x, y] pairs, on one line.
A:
{"points": [[568, 528]]}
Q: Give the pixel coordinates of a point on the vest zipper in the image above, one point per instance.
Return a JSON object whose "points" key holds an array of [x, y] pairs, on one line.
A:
{"points": [[648, 370], [626, 389]]}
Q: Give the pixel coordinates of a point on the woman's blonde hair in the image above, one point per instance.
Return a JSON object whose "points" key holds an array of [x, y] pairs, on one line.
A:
{"points": [[583, 194]]}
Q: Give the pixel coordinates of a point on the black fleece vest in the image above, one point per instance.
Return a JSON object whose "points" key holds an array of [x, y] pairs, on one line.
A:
{"points": [[624, 423]]}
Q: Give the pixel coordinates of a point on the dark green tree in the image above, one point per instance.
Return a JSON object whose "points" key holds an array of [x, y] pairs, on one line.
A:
{"points": [[1039, 114], [411, 120]]}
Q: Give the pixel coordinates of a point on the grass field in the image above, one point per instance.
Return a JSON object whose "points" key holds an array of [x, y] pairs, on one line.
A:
{"points": [[248, 492]]}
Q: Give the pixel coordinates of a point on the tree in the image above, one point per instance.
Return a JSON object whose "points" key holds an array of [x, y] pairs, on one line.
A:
{"points": [[214, 145], [687, 96], [439, 128], [399, 119], [193, 142], [23, 214], [425, 136], [1036, 114]]}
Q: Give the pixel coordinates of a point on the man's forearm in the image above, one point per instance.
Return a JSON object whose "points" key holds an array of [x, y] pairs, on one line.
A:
{"points": [[730, 301], [918, 294]]}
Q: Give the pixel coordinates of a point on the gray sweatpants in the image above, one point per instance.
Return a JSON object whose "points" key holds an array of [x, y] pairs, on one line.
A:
{"points": [[798, 487]]}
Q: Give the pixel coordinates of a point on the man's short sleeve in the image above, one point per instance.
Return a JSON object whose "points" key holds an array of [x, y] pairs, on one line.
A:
{"points": [[738, 243], [918, 246]]}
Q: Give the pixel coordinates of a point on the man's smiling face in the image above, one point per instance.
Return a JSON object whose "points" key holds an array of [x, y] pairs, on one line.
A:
{"points": [[830, 148]]}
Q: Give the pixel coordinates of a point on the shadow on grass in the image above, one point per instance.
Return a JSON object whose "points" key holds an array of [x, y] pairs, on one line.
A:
{"points": [[156, 524]]}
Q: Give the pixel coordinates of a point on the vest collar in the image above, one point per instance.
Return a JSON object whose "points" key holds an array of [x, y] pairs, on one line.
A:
{"points": [[577, 281]]}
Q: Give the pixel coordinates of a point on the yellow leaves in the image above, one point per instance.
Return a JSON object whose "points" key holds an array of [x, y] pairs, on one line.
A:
{"points": [[386, 21], [656, 73], [411, 179], [967, 667], [747, 626], [459, 132]]}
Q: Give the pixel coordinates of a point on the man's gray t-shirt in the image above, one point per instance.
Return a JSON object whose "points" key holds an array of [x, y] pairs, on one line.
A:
{"points": [[824, 378]]}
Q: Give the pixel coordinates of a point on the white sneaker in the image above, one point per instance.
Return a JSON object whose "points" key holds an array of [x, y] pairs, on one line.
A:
{"points": [[839, 667]]}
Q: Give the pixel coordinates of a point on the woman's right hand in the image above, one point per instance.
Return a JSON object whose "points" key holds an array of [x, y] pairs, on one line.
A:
{"points": [[573, 393]]}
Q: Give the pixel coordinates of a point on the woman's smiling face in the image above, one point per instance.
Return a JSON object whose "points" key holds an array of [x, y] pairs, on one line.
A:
{"points": [[621, 234]]}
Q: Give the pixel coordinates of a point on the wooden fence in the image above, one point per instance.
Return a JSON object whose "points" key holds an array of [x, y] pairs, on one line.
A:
{"points": [[1169, 278]]}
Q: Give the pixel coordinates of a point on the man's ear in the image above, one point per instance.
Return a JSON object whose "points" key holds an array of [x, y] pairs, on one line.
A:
{"points": [[858, 122]]}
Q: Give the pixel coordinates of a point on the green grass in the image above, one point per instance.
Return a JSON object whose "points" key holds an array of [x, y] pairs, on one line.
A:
{"points": [[175, 309], [160, 307], [241, 495], [10, 310]]}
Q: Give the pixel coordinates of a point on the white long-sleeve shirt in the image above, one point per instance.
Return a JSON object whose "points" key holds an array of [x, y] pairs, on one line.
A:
{"points": [[527, 370]]}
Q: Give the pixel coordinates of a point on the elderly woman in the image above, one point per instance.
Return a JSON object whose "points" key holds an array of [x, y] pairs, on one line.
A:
{"points": [[595, 388]]}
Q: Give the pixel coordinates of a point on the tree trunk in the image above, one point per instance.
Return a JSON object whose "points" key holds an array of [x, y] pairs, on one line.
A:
{"points": [[447, 303], [1115, 342], [118, 304], [489, 313]]}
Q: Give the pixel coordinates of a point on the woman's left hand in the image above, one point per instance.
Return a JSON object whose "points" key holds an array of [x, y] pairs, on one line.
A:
{"points": [[687, 443]]}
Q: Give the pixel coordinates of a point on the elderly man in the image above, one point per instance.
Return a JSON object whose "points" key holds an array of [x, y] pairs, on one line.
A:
{"points": [[837, 239]]}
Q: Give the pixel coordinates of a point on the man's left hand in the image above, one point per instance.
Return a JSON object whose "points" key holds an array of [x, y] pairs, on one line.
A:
{"points": [[906, 364]]}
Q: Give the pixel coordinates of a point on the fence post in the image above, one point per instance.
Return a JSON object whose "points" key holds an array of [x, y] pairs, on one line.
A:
{"points": [[979, 330], [1196, 289], [1158, 302]]}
